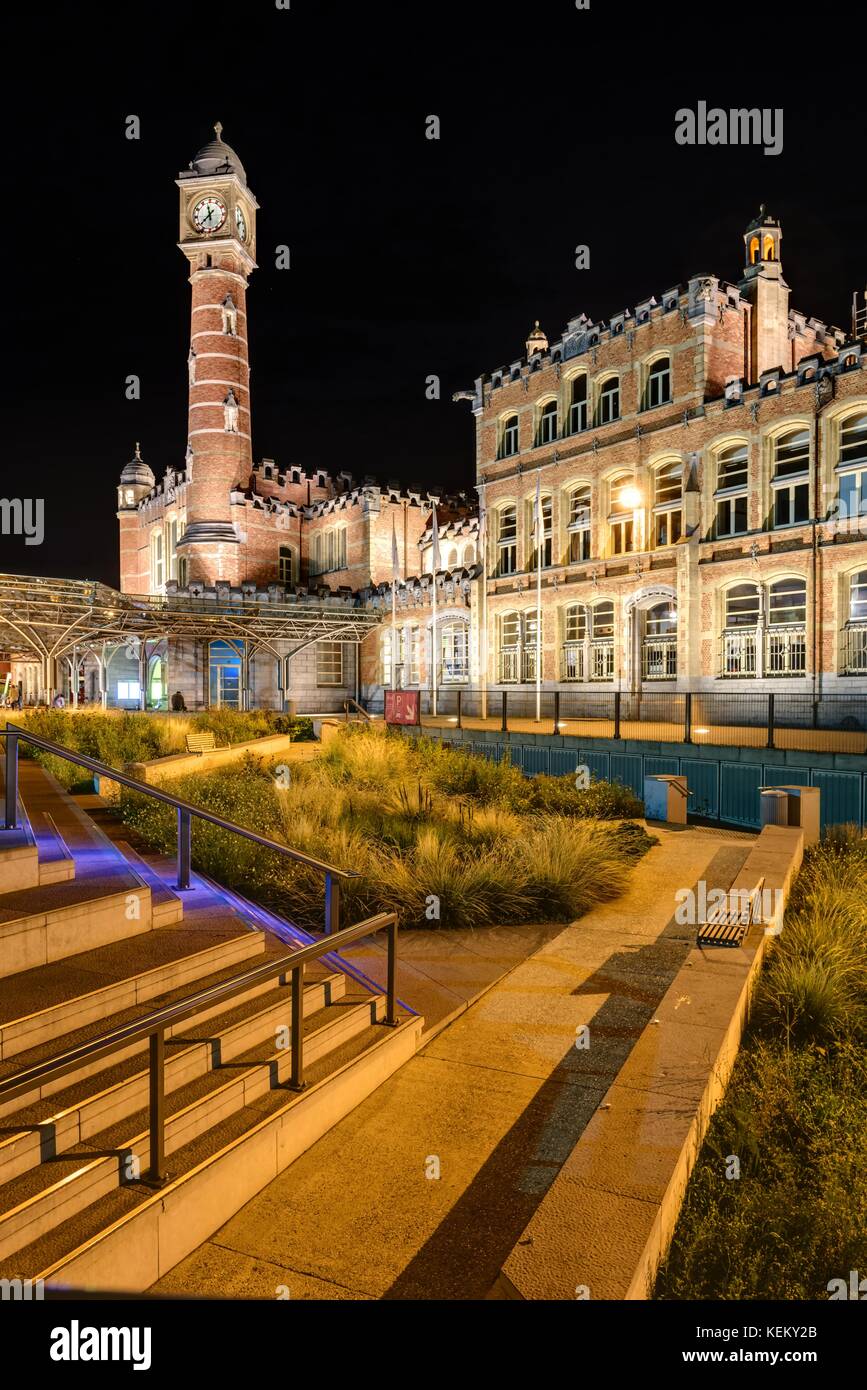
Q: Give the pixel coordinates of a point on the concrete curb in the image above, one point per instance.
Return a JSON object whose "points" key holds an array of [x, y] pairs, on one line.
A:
{"points": [[608, 1218]]}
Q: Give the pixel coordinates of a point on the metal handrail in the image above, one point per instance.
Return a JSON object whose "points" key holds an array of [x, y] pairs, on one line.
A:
{"points": [[13, 733], [359, 708], [154, 1024]]}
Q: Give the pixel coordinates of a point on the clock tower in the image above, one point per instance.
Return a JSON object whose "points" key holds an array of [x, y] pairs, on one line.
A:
{"points": [[218, 238]]}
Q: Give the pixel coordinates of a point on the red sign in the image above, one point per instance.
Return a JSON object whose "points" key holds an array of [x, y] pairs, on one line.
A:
{"points": [[401, 706]]}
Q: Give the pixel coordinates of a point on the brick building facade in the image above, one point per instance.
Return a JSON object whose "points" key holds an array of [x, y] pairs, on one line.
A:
{"points": [[702, 467]]}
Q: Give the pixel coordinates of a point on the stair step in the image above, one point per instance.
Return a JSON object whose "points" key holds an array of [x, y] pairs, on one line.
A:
{"points": [[210, 1177], [61, 1187], [166, 905], [56, 862], [74, 1114], [18, 1035]]}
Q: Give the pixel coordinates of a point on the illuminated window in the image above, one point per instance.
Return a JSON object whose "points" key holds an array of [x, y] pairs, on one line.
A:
{"points": [[787, 601], [852, 468], [546, 533], [668, 504], [790, 483], [621, 519], [329, 663]]}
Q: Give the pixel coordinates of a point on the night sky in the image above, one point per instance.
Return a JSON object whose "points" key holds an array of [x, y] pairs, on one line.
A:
{"points": [[409, 257]]}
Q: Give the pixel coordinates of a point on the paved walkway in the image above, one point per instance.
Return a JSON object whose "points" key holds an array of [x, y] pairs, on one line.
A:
{"points": [[423, 1190]]}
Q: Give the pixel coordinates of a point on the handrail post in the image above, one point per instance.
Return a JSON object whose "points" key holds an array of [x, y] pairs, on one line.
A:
{"points": [[332, 905], [391, 984], [617, 714], [157, 1098], [770, 742], [556, 710], [11, 777], [459, 724], [297, 1082], [185, 847], [687, 717], [505, 722]]}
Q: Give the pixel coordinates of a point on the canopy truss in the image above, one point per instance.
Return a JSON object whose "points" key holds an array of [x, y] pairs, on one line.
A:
{"points": [[46, 619]]}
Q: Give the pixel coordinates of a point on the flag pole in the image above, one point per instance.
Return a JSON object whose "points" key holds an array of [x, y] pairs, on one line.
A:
{"points": [[395, 574], [483, 626], [540, 537], [435, 561]]}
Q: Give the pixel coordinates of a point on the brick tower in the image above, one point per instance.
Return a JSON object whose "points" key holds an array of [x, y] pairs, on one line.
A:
{"points": [[218, 238]]}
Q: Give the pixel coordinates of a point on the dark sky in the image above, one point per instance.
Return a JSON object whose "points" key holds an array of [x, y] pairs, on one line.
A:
{"points": [[409, 257]]}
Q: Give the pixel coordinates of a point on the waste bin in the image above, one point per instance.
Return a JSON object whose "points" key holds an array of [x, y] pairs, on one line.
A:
{"points": [[774, 806], [665, 798], [802, 809]]}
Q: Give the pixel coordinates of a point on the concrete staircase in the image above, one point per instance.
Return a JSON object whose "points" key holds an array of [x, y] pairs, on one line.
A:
{"points": [[93, 937]]}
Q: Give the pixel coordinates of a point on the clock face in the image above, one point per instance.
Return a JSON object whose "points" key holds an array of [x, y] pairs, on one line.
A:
{"points": [[240, 223], [209, 214]]}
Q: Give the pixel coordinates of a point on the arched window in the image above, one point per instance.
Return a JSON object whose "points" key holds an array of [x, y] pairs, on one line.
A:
{"points": [[658, 383], [852, 468], [287, 572], [510, 647], [855, 633], [547, 431], [602, 619], [578, 404], [731, 491], [224, 674], [469, 555], [790, 483], [858, 597], [668, 503], [769, 248], [754, 250], [452, 559], [787, 601], [509, 437], [608, 408], [602, 641], [742, 605], [578, 528], [621, 514], [661, 619], [659, 645], [454, 653], [507, 539], [786, 638], [572, 666]]}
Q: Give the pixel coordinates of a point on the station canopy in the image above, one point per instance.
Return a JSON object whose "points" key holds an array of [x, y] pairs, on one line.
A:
{"points": [[49, 618]]}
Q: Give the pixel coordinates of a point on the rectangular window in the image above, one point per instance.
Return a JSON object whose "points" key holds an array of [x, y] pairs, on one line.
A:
{"points": [[579, 545], [609, 402], [852, 495], [731, 516], [414, 677], [621, 536], [329, 663], [128, 690], [509, 442], [659, 385], [668, 527], [791, 504], [578, 408]]}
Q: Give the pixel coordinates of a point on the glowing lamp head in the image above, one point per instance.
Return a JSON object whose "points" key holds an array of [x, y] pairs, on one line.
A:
{"points": [[629, 496]]}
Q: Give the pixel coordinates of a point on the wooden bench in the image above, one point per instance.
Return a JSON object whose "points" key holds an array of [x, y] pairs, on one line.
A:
{"points": [[727, 925], [200, 743]]}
